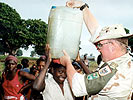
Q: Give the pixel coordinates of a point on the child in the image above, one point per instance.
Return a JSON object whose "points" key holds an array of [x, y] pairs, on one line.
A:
{"points": [[41, 62], [54, 88], [25, 65]]}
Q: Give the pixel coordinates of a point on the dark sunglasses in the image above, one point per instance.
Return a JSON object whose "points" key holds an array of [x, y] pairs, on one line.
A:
{"points": [[99, 45]]}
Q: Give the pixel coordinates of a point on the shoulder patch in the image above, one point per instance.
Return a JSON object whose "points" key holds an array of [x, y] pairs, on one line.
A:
{"points": [[104, 71], [93, 76]]}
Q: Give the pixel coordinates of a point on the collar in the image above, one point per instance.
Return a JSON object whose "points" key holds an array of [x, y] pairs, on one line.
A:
{"points": [[118, 61]]}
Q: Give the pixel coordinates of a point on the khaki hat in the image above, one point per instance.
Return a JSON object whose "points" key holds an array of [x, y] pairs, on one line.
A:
{"points": [[112, 32]]}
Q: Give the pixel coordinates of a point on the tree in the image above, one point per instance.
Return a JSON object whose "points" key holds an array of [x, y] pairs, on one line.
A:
{"points": [[16, 32], [33, 53], [19, 52], [130, 40], [37, 34], [130, 43], [10, 22], [1, 47]]}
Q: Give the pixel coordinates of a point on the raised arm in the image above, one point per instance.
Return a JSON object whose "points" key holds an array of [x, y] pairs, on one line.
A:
{"points": [[39, 83], [85, 68], [89, 19], [65, 60]]}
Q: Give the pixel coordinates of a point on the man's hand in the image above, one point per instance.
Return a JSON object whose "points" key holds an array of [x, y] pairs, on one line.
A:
{"points": [[74, 4], [65, 59]]}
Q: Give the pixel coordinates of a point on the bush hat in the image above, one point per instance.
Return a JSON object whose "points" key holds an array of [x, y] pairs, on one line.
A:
{"points": [[112, 32]]}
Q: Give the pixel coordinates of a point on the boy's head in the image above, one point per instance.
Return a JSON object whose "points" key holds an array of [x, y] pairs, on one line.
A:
{"points": [[25, 62], [59, 72], [40, 63]]}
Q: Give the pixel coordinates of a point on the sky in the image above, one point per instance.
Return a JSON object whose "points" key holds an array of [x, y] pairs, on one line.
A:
{"points": [[107, 12]]}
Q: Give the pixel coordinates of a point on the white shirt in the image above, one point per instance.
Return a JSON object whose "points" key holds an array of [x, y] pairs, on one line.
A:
{"points": [[53, 91], [119, 87], [48, 75]]}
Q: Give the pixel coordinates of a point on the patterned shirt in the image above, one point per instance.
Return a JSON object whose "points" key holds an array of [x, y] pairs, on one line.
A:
{"points": [[119, 87]]}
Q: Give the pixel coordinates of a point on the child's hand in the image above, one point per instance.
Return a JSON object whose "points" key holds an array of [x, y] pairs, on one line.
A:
{"points": [[47, 53]]}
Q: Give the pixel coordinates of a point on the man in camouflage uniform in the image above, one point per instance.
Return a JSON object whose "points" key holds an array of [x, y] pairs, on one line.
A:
{"points": [[113, 79]]}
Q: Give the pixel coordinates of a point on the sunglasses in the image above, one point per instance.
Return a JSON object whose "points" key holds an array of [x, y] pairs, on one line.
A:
{"points": [[99, 45]]}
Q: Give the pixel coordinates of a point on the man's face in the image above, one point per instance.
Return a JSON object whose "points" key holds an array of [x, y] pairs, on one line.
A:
{"points": [[104, 47], [59, 75]]}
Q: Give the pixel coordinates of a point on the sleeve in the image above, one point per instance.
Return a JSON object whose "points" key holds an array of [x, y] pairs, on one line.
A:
{"points": [[132, 81], [96, 81], [78, 85], [94, 36], [92, 83]]}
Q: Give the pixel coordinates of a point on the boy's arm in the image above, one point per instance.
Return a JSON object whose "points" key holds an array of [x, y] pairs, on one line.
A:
{"points": [[85, 68], [39, 83]]}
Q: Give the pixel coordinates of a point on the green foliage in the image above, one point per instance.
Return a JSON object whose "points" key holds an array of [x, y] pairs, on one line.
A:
{"points": [[33, 53], [37, 34], [10, 24], [1, 67], [19, 53], [16, 32], [9, 19], [127, 30], [130, 43], [130, 40], [2, 57], [40, 49]]}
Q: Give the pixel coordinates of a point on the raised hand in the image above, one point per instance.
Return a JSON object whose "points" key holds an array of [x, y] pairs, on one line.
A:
{"points": [[47, 52], [74, 4], [65, 59]]}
